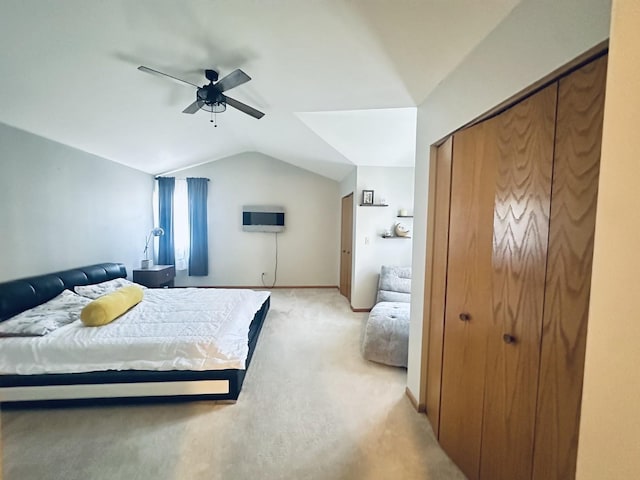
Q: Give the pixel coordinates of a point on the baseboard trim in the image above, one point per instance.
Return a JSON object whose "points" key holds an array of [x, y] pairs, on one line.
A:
{"points": [[360, 310], [419, 407]]}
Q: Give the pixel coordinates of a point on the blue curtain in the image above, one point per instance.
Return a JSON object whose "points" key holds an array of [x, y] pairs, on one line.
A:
{"points": [[199, 243], [166, 253]]}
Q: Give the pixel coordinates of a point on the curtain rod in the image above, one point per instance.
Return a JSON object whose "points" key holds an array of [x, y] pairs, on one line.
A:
{"points": [[181, 178]]}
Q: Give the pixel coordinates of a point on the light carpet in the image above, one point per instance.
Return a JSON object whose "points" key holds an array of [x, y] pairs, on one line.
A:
{"points": [[311, 408]]}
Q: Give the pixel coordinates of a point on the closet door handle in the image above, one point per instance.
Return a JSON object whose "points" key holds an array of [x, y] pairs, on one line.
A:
{"points": [[508, 338], [465, 317]]}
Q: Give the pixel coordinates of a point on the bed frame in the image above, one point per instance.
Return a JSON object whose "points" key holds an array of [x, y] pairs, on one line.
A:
{"points": [[112, 386]]}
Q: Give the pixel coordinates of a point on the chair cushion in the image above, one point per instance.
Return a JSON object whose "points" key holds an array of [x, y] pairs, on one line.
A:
{"points": [[386, 334], [394, 284]]}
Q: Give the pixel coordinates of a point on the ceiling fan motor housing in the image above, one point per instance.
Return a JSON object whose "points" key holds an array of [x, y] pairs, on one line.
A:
{"points": [[211, 75]]}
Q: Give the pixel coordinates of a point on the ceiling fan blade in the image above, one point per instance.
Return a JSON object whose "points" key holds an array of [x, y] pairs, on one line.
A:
{"points": [[235, 78], [194, 107], [244, 108], [155, 72]]}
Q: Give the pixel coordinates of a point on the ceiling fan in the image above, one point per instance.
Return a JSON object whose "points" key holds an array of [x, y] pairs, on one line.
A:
{"points": [[211, 98]]}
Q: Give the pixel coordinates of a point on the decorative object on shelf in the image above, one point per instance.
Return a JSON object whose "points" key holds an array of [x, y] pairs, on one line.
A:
{"points": [[387, 234], [155, 232], [403, 212], [367, 197], [401, 230]]}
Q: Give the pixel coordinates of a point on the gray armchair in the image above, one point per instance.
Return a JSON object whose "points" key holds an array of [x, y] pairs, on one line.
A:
{"points": [[386, 332]]}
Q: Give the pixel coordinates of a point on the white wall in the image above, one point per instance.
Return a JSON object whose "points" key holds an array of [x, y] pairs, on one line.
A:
{"points": [[370, 250], [609, 445], [62, 208], [537, 37], [308, 249], [348, 185]]}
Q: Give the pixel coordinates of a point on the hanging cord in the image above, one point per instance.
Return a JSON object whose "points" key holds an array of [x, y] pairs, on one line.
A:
{"points": [[275, 273]]}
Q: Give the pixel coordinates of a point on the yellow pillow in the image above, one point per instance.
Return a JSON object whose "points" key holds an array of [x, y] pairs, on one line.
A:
{"points": [[109, 307]]}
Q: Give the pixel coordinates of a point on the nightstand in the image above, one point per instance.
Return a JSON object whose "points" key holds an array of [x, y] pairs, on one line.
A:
{"points": [[157, 276]]}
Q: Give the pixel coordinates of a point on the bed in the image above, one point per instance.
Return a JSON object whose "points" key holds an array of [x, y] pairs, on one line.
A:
{"points": [[86, 371]]}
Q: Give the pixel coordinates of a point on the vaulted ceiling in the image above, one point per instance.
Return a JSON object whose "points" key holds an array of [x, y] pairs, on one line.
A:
{"points": [[339, 80]]}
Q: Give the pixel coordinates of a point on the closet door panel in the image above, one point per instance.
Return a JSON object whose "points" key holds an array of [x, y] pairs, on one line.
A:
{"points": [[468, 293], [520, 239], [573, 212], [440, 184]]}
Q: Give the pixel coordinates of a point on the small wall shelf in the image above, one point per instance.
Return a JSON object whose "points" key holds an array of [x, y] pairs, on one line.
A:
{"points": [[404, 216], [374, 205], [393, 236]]}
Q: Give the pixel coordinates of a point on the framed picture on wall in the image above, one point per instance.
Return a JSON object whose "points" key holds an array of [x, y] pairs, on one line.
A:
{"points": [[367, 197]]}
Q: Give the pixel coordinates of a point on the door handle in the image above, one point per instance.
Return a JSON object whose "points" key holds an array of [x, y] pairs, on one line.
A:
{"points": [[508, 338], [465, 317]]}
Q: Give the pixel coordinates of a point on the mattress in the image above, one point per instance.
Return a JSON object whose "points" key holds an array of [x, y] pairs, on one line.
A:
{"points": [[171, 329]]}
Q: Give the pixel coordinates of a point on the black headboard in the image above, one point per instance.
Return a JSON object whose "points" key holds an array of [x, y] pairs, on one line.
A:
{"points": [[19, 295]]}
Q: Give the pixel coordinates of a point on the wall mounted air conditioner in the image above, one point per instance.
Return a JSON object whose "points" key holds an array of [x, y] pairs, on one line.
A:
{"points": [[262, 218]]}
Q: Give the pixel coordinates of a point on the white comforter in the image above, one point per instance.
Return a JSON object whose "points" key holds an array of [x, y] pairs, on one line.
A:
{"points": [[171, 329]]}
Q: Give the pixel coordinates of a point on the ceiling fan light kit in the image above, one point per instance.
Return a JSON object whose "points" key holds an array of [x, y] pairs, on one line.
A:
{"points": [[211, 98]]}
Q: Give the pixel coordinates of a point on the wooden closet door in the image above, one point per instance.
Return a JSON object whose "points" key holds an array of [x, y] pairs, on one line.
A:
{"points": [[468, 299], [436, 287], [520, 229], [573, 213]]}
